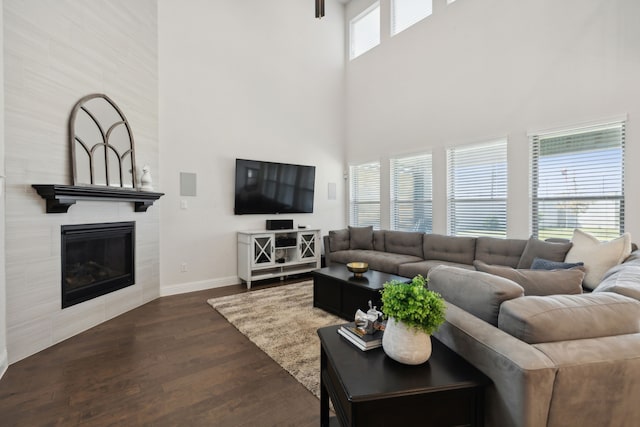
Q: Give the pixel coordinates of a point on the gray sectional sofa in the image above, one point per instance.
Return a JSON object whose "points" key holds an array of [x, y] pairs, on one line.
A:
{"points": [[411, 253], [570, 359]]}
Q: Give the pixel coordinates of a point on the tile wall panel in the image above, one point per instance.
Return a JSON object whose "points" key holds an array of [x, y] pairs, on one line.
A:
{"points": [[54, 54]]}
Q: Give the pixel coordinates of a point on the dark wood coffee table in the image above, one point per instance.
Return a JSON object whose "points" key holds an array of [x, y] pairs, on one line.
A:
{"points": [[336, 290], [368, 388]]}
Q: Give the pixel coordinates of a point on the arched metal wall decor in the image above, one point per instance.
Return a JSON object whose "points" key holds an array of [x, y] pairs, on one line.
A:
{"points": [[102, 147]]}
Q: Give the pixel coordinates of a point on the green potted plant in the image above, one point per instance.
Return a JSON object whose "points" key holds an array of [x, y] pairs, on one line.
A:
{"points": [[414, 313]]}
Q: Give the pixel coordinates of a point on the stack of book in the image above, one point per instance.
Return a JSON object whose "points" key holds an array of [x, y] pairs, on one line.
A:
{"points": [[363, 341]]}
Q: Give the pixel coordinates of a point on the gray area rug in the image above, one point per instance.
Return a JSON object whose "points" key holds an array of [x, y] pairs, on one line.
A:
{"points": [[282, 322]]}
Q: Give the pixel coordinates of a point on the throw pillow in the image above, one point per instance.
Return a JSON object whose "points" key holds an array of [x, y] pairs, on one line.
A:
{"points": [[539, 282], [361, 237], [477, 293], [598, 257], [339, 240], [539, 249], [546, 264]]}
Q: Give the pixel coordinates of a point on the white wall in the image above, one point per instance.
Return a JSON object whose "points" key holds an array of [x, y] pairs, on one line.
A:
{"points": [[55, 53], [243, 79], [478, 70], [4, 361]]}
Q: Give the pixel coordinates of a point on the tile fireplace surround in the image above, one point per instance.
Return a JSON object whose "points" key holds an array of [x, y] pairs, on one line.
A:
{"points": [[35, 317]]}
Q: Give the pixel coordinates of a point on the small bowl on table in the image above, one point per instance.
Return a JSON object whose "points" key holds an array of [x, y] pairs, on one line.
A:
{"points": [[358, 268]]}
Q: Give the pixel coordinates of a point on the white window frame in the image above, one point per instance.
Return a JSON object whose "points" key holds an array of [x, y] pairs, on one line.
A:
{"points": [[352, 36], [406, 173], [396, 4], [575, 199], [473, 192], [364, 194]]}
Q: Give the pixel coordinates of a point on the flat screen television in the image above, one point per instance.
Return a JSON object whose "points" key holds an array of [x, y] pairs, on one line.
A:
{"points": [[273, 188]]}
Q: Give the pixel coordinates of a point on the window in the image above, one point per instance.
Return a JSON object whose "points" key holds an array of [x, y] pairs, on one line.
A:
{"points": [[364, 204], [477, 190], [365, 31], [405, 13], [577, 182], [411, 201]]}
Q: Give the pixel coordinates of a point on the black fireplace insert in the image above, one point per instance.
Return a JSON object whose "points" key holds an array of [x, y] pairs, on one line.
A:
{"points": [[96, 259]]}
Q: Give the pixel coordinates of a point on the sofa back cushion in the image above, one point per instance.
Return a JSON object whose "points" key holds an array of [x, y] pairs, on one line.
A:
{"points": [[339, 240], [623, 279], [554, 318], [539, 282], [480, 294], [378, 240], [553, 251], [499, 251], [403, 242], [361, 238], [449, 248]]}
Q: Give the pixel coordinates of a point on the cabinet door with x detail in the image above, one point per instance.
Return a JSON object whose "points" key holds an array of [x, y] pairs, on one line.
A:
{"points": [[308, 245], [263, 249]]}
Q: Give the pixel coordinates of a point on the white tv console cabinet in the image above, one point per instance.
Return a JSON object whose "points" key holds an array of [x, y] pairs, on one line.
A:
{"points": [[265, 254]]}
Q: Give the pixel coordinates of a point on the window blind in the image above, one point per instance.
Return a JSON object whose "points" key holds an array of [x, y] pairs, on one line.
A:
{"points": [[477, 190], [411, 193], [364, 203], [577, 181], [405, 13]]}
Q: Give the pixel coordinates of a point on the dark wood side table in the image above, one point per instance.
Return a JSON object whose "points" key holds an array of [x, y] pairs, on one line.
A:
{"points": [[336, 290], [368, 388]]}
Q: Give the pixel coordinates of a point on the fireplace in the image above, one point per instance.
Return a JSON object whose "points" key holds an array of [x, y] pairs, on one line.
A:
{"points": [[96, 259]]}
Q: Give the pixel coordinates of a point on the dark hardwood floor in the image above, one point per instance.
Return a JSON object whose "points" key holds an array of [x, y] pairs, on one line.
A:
{"points": [[172, 362]]}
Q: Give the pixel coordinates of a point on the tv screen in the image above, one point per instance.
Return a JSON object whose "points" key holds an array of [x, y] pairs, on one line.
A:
{"points": [[273, 188]]}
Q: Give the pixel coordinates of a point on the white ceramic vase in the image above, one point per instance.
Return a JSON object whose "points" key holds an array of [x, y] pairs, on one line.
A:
{"points": [[406, 345], [145, 179]]}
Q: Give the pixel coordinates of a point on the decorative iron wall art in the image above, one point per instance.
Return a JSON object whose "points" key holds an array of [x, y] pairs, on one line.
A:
{"points": [[102, 147]]}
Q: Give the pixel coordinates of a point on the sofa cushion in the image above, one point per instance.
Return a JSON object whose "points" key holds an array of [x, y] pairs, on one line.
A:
{"points": [[499, 251], [449, 248], [403, 242], [546, 264], [539, 319], [539, 282], [481, 294], [381, 261], [598, 257], [378, 240], [361, 238], [596, 381], [539, 249], [623, 279], [412, 269], [339, 240]]}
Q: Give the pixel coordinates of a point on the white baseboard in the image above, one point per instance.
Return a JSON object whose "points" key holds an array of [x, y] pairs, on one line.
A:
{"points": [[181, 288], [4, 362]]}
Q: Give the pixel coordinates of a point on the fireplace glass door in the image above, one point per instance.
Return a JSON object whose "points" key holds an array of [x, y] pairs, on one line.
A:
{"points": [[96, 259]]}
